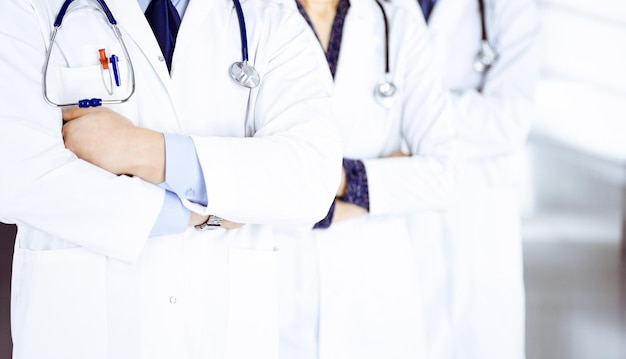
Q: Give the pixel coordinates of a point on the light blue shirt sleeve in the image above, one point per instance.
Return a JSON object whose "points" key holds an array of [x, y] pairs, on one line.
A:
{"points": [[183, 173], [181, 163], [173, 218], [183, 179]]}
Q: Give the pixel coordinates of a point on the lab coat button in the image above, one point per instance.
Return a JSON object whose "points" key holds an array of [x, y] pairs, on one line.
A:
{"points": [[161, 58], [172, 300]]}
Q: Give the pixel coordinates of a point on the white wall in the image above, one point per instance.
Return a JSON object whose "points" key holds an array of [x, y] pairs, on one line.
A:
{"points": [[585, 41], [577, 149]]}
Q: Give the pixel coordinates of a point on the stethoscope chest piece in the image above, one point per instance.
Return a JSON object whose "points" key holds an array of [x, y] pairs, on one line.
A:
{"points": [[385, 94], [244, 74], [485, 58]]}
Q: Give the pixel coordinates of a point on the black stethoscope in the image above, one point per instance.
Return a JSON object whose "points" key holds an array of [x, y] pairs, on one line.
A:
{"points": [[487, 55], [485, 58], [384, 92], [240, 71]]}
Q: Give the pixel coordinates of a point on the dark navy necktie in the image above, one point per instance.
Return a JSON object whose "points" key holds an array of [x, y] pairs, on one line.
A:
{"points": [[165, 21], [427, 7]]}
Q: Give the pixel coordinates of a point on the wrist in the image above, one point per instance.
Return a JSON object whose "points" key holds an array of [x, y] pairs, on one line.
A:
{"points": [[342, 184], [196, 219], [148, 155], [356, 184]]}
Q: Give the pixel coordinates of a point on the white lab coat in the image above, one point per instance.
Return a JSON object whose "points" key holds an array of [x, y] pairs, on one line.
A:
{"points": [[355, 286], [480, 314], [87, 282]]}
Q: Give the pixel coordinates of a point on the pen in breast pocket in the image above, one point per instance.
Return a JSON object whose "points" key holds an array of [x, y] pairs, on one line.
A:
{"points": [[104, 62], [116, 71]]}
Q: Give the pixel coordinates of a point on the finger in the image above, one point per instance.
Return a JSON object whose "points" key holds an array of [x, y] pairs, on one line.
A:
{"points": [[398, 154], [226, 224], [74, 112]]}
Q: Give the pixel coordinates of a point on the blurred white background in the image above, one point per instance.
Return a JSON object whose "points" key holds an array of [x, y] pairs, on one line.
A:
{"points": [[574, 193], [581, 101]]}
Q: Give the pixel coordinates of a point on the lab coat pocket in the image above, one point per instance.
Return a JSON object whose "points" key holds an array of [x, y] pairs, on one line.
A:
{"points": [[66, 85], [59, 305], [252, 330], [390, 270]]}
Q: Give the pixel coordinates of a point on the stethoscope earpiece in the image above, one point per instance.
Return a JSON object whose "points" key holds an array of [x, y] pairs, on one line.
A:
{"points": [[244, 74]]}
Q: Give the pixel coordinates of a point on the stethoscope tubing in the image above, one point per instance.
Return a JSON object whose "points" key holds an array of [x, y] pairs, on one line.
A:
{"points": [[486, 49], [385, 92], [242, 31], [483, 26], [67, 3], [487, 55], [386, 22], [118, 35], [244, 69]]}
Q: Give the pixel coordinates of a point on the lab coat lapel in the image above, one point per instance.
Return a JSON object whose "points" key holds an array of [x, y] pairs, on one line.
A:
{"points": [[133, 22], [196, 12], [361, 10], [194, 16], [445, 13], [188, 35]]}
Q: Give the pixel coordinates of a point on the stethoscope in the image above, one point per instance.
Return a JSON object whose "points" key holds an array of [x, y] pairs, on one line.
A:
{"points": [[487, 55], [240, 71], [484, 60], [384, 92]]}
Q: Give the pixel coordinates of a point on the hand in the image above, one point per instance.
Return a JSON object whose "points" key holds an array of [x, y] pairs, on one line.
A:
{"points": [[195, 219], [341, 191], [345, 210], [397, 154], [110, 141], [226, 224]]}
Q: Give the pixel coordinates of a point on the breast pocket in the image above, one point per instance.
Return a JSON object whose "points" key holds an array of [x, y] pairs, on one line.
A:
{"points": [[59, 304], [68, 85], [252, 330]]}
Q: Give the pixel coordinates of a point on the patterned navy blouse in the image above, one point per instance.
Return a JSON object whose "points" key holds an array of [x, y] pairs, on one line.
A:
{"points": [[356, 178]]}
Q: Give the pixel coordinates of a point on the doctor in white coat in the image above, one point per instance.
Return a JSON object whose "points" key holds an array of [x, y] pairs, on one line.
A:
{"points": [[95, 275], [354, 289], [483, 254]]}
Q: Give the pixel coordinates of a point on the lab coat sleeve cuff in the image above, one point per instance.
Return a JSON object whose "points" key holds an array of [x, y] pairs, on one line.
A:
{"points": [[173, 218], [357, 191], [183, 172]]}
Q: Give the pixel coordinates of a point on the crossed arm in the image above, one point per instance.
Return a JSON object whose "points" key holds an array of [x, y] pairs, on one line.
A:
{"points": [[111, 141]]}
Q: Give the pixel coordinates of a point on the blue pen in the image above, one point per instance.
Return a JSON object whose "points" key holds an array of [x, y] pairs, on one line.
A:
{"points": [[116, 73]]}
